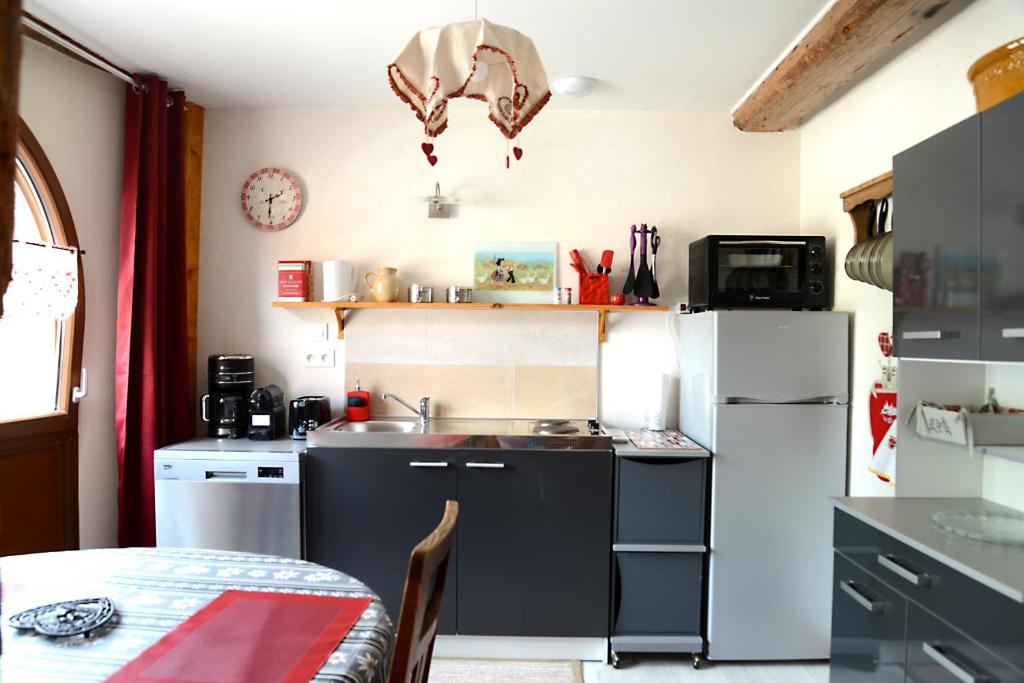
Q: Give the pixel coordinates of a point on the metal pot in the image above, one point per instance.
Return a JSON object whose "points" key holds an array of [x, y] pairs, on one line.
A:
{"points": [[459, 295], [421, 294]]}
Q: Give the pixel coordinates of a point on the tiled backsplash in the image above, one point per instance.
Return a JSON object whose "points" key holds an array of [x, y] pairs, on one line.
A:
{"points": [[523, 364]]}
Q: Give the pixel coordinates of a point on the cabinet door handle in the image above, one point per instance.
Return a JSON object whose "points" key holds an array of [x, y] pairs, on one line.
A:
{"points": [[420, 463], [850, 588], [891, 562], [931, 334], [1013, 333], [486, 465], [938, 655]]}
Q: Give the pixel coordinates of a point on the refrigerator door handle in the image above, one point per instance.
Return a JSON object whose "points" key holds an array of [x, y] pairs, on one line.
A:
{"points": [[841, 399]]}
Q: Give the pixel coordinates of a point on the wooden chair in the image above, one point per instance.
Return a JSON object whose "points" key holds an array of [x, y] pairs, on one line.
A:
{"points": [[421, 602]]}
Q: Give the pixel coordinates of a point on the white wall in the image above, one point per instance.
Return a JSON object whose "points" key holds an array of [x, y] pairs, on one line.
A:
{"points": [[77, 114], [585, 177], [918, 94]]}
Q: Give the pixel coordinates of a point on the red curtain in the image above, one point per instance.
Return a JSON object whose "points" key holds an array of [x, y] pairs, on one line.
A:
{"points": [[152, 402]]}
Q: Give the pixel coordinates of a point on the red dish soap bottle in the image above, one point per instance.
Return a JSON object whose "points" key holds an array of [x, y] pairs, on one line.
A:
{"points": [[357, 407]]}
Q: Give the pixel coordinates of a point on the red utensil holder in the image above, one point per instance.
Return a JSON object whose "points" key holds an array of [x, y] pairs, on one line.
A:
{"points": [[356, 413], [594, 288]]}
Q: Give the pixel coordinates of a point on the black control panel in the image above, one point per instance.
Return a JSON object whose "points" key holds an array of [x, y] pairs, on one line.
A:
{"points": [[270, 472]]}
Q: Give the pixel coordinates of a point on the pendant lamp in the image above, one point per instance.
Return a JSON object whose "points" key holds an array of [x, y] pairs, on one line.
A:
{"points": [[475, 59]]}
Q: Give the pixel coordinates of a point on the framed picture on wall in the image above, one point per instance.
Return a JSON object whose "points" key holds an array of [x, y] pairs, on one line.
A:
{"points": [[515, 272]]}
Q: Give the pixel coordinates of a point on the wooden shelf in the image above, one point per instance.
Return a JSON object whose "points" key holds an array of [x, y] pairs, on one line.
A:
{"points": [[602, 310], [855, 203]]}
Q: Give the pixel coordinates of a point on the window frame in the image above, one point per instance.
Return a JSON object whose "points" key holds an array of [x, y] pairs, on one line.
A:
{"points": [[43, 184]]}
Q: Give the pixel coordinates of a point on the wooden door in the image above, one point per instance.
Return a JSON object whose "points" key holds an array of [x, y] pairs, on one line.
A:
{"points": [[40, 363]]}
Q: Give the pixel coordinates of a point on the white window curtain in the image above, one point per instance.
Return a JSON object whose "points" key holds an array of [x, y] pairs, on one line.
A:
{"points": [[45, 282]]}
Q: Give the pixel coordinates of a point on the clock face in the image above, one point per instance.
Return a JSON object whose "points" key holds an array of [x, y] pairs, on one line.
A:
{"points": [[271, 199]]}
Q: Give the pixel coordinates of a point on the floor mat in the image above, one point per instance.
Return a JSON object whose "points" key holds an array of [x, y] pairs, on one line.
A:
{"points": [[504, 670]]}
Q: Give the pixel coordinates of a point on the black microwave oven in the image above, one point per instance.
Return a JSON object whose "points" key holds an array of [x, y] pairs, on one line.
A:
{"points": [[759, 271]]}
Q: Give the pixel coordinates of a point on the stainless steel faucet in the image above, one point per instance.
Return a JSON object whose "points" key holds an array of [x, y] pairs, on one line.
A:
{"points": [[424, 409]]}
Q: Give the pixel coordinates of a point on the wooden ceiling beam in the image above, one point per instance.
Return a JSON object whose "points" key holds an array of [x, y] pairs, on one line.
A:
{"points": [[839, 49]]}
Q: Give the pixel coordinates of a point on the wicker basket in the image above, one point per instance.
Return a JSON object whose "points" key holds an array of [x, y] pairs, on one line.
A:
{"points": [[986, 425]]}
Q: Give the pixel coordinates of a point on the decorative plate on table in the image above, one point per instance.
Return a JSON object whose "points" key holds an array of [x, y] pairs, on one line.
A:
{"points": [[68, 618], [998, 528]]}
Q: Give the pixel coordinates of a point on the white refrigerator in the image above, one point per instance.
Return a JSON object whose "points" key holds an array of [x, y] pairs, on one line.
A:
{"points": [[767, 393]]}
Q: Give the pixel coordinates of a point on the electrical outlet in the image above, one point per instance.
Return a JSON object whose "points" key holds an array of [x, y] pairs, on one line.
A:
{"points": [[318, 356]]}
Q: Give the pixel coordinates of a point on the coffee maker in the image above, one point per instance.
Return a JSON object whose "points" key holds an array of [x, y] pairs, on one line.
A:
{"points": [[266, 413], [226, 408]]}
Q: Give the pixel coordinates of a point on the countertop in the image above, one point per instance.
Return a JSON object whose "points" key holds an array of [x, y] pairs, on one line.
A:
{"points": [[909, 520], [628, 450], [205, 443]]}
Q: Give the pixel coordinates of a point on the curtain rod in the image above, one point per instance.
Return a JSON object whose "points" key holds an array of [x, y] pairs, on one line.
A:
{"points": [[70, 44], [48, 246]]}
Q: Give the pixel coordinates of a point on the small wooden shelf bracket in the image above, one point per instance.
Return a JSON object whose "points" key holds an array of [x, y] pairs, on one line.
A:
{"points": [[339, 315]]}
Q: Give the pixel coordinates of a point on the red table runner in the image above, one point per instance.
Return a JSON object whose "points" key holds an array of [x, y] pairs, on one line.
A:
{"points": [[247, 637]]}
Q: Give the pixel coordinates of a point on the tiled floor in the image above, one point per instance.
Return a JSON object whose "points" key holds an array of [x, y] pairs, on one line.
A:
{"points": [[672, 669]]}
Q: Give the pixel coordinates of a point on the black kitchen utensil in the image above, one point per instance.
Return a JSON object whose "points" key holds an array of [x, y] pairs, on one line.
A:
{"points": [[883, 215], [627, 288], [644, 281], [655, 243]]}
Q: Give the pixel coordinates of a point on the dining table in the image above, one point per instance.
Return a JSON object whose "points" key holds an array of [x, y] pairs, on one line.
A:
{"points": [[153, 590]]}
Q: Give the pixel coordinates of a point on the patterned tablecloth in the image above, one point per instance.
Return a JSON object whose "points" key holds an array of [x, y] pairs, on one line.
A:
{"points": [[153, 591]]}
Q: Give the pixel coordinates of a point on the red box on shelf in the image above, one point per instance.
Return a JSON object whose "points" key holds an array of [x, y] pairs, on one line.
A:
{"points": [[294, 280], [594, 288]]}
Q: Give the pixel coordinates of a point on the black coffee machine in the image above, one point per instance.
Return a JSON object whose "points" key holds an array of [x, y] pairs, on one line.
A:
{"points": [[306, 413], [226, 407], [266, 413]]}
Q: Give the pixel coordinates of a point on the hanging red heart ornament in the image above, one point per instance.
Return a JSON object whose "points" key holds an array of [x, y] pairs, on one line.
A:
{"points": [[431, 159], [518, 151], [427, 147]]}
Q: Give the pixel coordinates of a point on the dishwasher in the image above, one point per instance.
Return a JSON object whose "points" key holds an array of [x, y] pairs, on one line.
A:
{"points": [[231, 495]]}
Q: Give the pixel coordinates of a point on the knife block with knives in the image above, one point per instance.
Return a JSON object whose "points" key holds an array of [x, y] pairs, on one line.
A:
{"points": [[593, 285]]}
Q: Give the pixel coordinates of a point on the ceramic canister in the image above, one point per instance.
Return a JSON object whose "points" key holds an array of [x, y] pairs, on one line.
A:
{"points": [[339, 280]]}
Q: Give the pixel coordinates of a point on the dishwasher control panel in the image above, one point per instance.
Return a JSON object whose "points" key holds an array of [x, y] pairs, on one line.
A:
{"points": [[270, 472]]}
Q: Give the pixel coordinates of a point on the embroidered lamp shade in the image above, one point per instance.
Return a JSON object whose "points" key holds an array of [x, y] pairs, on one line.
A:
{"points": [[44, 282], [475, 59]]}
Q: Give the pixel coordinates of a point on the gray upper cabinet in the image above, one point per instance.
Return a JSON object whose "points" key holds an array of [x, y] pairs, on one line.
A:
{"points": [[1002, 231], [958, 246], [936, 242]]}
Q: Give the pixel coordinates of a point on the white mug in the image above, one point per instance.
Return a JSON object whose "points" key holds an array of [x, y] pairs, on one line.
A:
{"points": [[339, 280]]}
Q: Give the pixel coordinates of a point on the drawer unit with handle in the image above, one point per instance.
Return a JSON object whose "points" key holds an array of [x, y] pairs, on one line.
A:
{"points": [[991, 618], [868, 627], [660, 552], [956, 628]]}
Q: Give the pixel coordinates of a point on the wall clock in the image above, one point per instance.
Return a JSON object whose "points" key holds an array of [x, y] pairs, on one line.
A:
{"points": [[271, 199]]}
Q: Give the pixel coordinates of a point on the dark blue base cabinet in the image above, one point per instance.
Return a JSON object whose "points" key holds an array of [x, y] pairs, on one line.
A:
{"points": [[532, 551], [898, 615]]}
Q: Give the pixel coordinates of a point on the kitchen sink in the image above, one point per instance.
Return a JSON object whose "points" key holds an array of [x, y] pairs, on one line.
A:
{"points": [[385, 426]]}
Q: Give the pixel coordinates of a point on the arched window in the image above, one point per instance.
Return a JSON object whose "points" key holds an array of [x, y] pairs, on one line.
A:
{"points": [[42, 307]]}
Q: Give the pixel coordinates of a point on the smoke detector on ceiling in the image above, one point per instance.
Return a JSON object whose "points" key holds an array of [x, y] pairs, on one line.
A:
{"points": [[574, 86]]}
